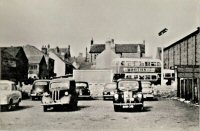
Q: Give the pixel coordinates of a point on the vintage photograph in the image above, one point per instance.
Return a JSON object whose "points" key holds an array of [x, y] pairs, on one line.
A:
{"points": [[99, 65]]}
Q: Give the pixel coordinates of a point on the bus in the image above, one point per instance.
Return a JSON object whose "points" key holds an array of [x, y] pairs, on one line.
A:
{"points": [[144, 69]]}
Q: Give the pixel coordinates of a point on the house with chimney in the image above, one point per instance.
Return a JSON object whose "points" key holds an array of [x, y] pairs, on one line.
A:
{"points": [[40, 64], [61, 56], [101, 55]]}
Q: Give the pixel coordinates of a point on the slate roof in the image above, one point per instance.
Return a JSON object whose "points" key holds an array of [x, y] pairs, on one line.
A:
{"points": [[33, 54], [32, 51], [119, 48], [10, 52], [97, 48], [34, 59], [129, 48]]}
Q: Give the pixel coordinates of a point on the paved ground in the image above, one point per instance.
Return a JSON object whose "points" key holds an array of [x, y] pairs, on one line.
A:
{"points": [[99, 115]]}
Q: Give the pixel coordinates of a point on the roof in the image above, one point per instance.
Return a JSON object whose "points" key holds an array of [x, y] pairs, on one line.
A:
{"points": [[66, 62], [119, 48], [97, 48], [10, 52], [6, 81], [129, 48], [35, 59], [184, 38], [33, 54], [32, 51]]}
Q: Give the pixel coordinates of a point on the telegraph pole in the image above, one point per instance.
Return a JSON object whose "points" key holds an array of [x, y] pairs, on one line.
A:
{"points": [[162, 57]]}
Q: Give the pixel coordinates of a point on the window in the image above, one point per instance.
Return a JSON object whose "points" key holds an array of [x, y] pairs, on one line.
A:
{"points": [[153, 63], [167, 75], [135, 76], [153, 77], [141, 77], [142, 64], [173, 75], [128, 76], [148, 77], [158, 64], [147, 63], [14, 87]]}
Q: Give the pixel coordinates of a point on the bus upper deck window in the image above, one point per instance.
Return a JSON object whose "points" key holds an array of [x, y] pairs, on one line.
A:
{"points": [[153, 63], [147, 63], [142, 64], [158, 64]]}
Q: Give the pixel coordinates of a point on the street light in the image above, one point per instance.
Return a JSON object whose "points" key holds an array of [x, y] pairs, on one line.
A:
{"points": [[162, 32]]}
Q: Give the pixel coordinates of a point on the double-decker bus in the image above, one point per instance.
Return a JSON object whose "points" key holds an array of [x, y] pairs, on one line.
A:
{"points": [[146, 69]]}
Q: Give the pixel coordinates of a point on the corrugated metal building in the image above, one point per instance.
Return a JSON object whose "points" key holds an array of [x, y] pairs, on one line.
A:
{"points": [[183, 56]]}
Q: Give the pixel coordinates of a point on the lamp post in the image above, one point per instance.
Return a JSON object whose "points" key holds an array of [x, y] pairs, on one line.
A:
{"points": [[162, 32]]}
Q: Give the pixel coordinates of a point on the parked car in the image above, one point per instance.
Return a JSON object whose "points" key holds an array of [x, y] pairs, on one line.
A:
{"points": [[147, 90], [82, 89], [128, 95], [38, 88], [109, 90], [9, 95], [62, 93]]}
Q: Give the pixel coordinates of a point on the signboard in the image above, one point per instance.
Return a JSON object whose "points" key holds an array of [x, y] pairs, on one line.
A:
{"points": [[136, 69]]}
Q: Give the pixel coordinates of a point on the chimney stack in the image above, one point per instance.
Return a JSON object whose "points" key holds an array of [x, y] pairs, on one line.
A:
{"points": [[92, 41]]}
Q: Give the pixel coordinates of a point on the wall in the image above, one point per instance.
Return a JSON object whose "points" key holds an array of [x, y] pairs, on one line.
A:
{"points": [[93, 76], [184, 52], [59, 65]]}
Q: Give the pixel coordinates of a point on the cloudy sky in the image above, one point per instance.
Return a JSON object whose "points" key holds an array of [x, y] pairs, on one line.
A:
{"points": [[75, 22]]}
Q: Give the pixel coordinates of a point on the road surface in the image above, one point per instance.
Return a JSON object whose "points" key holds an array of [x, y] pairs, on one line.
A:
{"points": [[99, 115]]}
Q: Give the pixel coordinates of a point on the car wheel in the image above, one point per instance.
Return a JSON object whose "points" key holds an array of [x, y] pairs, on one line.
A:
{"points": [[140, 108], [1, 108], [45, 108], [104, 98], [17, 105], [9, 106], [116, 108], [33, 98]]}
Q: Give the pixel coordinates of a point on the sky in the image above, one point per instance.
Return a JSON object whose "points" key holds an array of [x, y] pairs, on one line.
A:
{"points": [[76, 22]]}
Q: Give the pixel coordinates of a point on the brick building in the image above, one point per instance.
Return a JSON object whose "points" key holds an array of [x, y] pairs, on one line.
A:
{"points": [[183, 56]]}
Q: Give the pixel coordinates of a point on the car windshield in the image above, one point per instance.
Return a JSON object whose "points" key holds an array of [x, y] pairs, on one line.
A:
{"points": [[41, 83], [60, 85], [146, 85], [81, 85], [128, 85], [4, 86], [110, 86]]}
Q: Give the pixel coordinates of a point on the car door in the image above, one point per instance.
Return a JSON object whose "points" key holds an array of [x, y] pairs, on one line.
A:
{"points": [[15, 94]]}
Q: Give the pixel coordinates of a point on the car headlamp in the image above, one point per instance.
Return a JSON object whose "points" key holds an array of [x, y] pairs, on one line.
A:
{"points": [[139, 95], [46, 94], [116, 96], [66, 93]]}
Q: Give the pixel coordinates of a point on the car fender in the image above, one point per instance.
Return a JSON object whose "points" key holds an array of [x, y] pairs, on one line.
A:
{"points": [[66, 99]]}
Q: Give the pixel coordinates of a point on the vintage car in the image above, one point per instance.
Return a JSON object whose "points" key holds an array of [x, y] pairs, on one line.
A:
{"points": [[128, 95], [9, 95], [82, 89], [109, 90], [62, 93], [38, 88], [147, 90]]}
